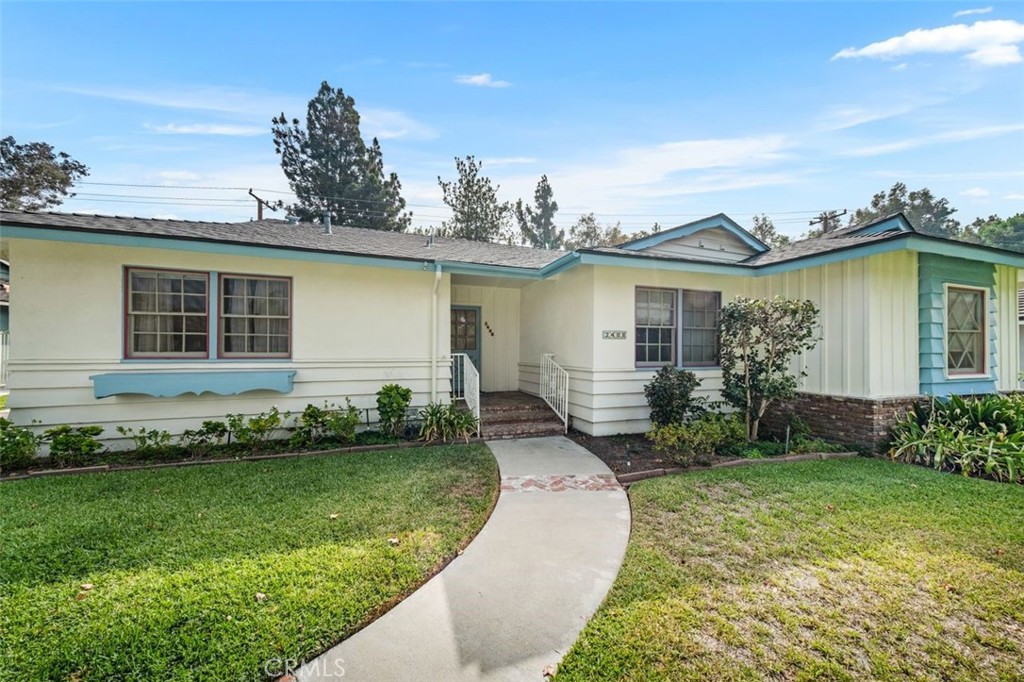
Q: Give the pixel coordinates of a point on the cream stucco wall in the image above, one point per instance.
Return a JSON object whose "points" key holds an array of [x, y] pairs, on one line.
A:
{"points": [[499, 331], [354, 329]]}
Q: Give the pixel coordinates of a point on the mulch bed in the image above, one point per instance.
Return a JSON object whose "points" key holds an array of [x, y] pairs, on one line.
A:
{"points": [[631, 452]]}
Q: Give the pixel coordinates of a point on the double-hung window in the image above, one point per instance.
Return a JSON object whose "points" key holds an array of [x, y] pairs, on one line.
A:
{"points": [[173, 314], [677, 327], [167, 314], [965, 331], [255, 316]]}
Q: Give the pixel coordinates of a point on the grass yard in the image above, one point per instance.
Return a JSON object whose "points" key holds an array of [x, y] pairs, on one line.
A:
{"points": [[208, 572], [843, 570]]}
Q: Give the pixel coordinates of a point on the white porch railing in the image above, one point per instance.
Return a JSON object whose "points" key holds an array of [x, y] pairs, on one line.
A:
{"points": [[5, 356], [554, 387], [466, 384]]}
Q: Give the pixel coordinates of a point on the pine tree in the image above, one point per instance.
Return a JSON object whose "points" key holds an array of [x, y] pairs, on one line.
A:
{"points": [[473, 198], [331, 169], [537, 225]]}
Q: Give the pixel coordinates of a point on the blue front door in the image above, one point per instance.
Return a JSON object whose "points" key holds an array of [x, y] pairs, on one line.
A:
{"points": [[466, 336]]}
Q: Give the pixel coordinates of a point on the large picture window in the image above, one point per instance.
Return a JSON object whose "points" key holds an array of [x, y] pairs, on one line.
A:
{"points": [[167, 314], [965, 331], [172, 315], [677, 327], [255, 316]]}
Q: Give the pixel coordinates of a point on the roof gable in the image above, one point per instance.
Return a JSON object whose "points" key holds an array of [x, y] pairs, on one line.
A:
{"points": [[720, 222]]}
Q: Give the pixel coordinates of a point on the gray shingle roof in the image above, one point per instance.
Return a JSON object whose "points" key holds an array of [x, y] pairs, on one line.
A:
{"points": [[304, 236], [818, 245]]}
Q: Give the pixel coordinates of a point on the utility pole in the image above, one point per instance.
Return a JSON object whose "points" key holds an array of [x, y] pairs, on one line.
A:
{"points": [[829, 220], [260, 203]]}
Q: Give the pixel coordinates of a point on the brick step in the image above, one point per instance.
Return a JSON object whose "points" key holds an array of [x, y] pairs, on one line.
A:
{"points": [[548, 427], [539, 406], [516, 417]]}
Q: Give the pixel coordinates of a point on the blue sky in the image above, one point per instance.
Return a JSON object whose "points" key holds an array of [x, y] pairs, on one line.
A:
{"points": [[638, 112]]}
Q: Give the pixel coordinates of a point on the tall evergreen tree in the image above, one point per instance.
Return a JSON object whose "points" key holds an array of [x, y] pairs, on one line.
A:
{"points": [[331, 169], [537, 225], [473, 198]]}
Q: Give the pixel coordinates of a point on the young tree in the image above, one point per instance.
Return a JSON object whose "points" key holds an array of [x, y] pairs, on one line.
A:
{"points": [[476, 212], [759, 338], [764, 229], [331, 169], [586, 233], [537, 225], [925, 211], [34, 177]]}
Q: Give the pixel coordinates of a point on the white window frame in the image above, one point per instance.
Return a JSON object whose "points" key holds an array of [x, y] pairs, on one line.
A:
{"points": [[985, 359]]}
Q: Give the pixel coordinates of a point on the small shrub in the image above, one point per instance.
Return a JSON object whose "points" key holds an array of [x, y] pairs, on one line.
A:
{"points": [[670, 395], [982, 436], [18, 446], [392, 408], [446, 423], [253, 433], [700, 438], [197, 443], [149, 443], [317, 424], [73, 446]]}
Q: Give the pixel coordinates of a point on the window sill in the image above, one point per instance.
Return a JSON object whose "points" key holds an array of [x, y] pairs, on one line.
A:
{"points": [[171, 383], [968, 377]]}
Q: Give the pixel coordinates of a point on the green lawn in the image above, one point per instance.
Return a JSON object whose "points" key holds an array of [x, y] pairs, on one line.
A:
{"points": [[844, 570], [207, 572]]}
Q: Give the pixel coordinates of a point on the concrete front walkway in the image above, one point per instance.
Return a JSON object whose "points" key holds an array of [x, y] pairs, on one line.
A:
{"points": [[521, 592]]}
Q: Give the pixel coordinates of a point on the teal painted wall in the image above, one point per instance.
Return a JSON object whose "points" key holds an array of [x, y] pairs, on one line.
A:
{"points": [[934, 272]]}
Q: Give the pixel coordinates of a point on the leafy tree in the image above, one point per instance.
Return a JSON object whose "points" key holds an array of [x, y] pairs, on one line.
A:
{"points": [[759, 338], [587, 232], [923, 209], [473, 198], [764, 229], [331, 169], [34, 177], [537, 225], [1003, 234]]}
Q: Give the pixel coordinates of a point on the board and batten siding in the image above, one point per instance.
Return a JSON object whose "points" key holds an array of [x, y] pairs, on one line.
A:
{"points": [[354, 329], [868, 344], [499, 330], [1008, 328]]}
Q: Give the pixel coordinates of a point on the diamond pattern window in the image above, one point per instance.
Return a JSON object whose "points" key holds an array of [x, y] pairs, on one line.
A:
{"points": [[965, 331]]}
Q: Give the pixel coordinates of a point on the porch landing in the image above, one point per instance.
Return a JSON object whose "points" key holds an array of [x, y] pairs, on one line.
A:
{"points": [[513, 414]]}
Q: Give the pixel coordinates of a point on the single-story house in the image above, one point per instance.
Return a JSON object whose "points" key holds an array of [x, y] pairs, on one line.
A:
{"points": [[165, 323]]}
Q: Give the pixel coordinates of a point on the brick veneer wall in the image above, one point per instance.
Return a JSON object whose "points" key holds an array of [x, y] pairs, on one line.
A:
{"points": [[850, 421]]}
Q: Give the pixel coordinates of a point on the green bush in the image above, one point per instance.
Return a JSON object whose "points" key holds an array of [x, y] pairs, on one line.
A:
{"points": [[446, 423], [253, 433], [150, 443], [670, 395], [328, 423], [18, 446], [696, 440], [392, 408], [70, 446], [198, 443], [979, 436]]}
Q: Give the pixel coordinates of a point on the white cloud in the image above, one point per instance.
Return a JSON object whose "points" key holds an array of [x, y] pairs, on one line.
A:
{"points": [[221, 99], [178, 176], [961, 135], [975, 193], [902, 66], [987, 43], [208, 129], [387, 124], [969, 12], [1015, 197], [482, 80]]}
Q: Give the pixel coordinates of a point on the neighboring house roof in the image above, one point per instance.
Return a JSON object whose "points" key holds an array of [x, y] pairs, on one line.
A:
{"points": [[302, 237]]}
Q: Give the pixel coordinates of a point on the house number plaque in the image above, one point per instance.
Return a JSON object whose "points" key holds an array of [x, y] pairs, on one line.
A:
{"points": [[616, 334]]}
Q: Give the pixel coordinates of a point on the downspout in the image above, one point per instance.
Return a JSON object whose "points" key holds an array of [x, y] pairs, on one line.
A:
{"points": [[433, 334]]}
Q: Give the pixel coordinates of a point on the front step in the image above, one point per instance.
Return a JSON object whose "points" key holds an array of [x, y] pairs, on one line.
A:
{"points": [[517, 415]]}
